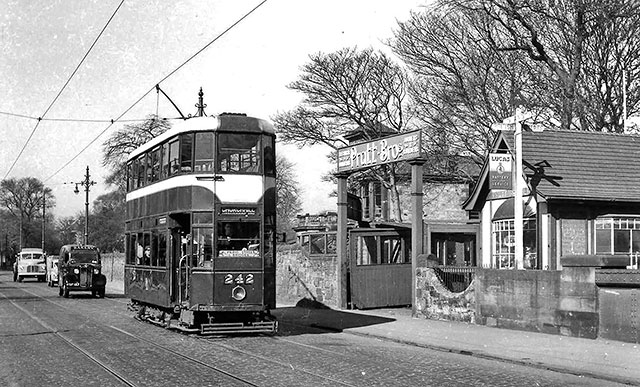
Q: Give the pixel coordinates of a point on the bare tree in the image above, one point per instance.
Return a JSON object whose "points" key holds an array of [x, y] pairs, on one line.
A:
{"points": [[461, 85], [23, 199], [119, 145], [560, 35], [345, 91], [288, 204]]}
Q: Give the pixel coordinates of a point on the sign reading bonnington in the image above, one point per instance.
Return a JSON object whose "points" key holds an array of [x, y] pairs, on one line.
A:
{"points": [[405, 146]]}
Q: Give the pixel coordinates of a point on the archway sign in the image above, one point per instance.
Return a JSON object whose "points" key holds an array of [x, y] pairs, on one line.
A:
{"points": [[402, 147]]}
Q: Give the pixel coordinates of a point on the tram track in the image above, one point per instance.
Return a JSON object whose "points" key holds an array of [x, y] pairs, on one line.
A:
{"points": [[70, 343], [231, 348], [164, 348], [258, 361]]}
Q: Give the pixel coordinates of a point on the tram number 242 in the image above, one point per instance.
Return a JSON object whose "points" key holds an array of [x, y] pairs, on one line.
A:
{"points": [[239, 279]]}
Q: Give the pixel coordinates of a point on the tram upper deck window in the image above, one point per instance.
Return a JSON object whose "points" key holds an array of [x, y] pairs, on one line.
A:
{"points": [[186, 152], [164, 165], [269, 156], [173, 157], [131, 177], [238, 239], [239, 153], [140, 163], [153, 169], [204, 152]]}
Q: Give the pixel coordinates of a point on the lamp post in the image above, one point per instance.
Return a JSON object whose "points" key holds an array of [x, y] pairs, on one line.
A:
{"points": [[517, 197], [86, 183]]}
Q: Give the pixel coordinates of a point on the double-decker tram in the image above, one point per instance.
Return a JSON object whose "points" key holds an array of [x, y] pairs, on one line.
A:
{"points": [[200, 230]]}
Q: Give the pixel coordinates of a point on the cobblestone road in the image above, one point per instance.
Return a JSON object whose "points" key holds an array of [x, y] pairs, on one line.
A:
{"points": [[49, 340]]}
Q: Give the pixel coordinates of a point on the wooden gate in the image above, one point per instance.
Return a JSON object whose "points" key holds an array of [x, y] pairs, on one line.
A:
{"points": [[379, 268]]}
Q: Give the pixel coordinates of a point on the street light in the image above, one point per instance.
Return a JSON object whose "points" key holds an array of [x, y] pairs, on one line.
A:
{"points": [[86, 183]]}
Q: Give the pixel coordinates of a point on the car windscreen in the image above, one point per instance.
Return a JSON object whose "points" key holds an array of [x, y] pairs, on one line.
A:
{"points": [[31, 256], [86, 256]]}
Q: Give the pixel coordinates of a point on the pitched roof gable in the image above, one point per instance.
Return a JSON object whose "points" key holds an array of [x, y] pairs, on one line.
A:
{"points": [[586, 165]]}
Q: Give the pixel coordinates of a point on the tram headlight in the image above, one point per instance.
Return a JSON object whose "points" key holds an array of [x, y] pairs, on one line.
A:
{"points": [[76, 271], [238, 293]]}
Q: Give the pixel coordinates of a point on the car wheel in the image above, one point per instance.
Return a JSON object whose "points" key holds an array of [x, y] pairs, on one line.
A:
{"points": [[65, 291], [15, 277], [101, 293], [59, 289], [19, 279]]}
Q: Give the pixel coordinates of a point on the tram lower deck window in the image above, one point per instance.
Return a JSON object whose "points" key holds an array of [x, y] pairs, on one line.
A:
{"points": [[238, 238]]}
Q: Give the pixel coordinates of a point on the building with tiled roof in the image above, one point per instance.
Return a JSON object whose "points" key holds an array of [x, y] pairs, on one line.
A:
{"points": [[582, 196]]}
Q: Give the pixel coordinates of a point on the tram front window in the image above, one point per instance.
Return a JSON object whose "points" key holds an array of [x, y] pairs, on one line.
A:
{"points": [[238, 239], [239, 153]]}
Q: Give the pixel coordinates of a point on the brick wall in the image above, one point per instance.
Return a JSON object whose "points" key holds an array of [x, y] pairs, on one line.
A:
{"points": [[299, 276]]}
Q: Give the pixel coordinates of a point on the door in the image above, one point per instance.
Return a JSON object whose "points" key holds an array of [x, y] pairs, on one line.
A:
{"points": [[380, 268]]}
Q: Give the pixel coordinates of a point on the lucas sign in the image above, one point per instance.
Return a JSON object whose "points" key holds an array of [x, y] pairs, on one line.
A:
{"points": [[500, 176], [406, 146]]}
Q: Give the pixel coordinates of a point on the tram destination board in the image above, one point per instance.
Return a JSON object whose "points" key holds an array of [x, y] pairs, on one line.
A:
{"points": [[402, 147]]}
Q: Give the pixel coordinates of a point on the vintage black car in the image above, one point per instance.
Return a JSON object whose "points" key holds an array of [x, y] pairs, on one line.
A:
{"points": [[80, 270]]}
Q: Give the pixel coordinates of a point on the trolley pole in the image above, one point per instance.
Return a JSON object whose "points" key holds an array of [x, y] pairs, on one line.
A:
{"points": [[86, 183]]}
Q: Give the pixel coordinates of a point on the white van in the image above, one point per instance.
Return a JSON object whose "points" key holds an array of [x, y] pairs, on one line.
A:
{"points": [[30, 263], [52, 270]]}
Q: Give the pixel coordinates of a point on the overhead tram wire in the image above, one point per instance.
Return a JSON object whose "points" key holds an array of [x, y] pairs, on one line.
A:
{"points": [[154, 87], [33, 131], [95, 120]]}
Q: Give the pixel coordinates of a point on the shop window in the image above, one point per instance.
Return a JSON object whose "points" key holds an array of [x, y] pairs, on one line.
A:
{"points": [[617, 235], [503, 236]]}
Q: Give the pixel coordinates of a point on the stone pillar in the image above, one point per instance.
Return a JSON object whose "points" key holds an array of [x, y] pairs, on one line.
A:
{"points": [[341, 245], [416, 225]]}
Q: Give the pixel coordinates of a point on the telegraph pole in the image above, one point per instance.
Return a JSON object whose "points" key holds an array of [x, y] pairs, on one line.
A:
{"points": [[86, 183], [44, 205]]}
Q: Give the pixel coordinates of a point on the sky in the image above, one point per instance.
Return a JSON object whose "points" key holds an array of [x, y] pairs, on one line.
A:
{"points": [[246, 70]]}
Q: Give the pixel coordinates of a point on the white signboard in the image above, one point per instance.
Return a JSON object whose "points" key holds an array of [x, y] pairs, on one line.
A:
{"points": [[500, 168]]}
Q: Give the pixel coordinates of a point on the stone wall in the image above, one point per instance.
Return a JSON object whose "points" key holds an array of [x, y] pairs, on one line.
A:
{"points": [[558, 302], [113, 269], [435, 301], [299, 276]]}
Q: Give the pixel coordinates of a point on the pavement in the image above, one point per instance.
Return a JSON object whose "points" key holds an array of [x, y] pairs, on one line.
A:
{"points": [[608, 360], [602, 359]]}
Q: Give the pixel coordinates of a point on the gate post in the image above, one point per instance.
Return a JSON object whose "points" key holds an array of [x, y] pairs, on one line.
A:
{"points": [[416, 224], [341, 243]]}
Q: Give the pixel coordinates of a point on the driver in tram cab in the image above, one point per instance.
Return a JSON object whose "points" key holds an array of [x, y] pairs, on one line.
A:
{"points": [[225, 240]]}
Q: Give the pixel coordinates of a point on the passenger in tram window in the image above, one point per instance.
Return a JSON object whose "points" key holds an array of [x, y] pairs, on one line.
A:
{"points": [[139, 254], [147, 256]]}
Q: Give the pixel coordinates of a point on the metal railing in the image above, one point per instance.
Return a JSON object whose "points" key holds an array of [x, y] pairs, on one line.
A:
{"points": [[455, 278]]}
